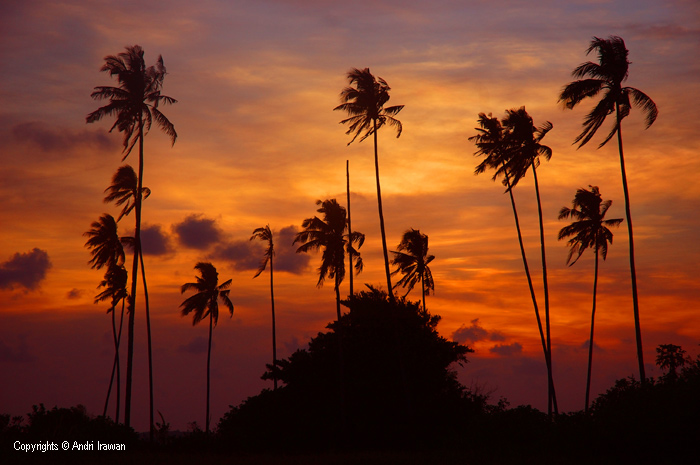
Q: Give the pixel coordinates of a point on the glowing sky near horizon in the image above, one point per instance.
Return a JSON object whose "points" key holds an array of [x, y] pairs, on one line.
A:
{"points": [[258, 143]]}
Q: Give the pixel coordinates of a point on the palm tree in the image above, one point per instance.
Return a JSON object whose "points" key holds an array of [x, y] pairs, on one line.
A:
{"points": [[365, 104], [123, 191], [135, 104], [206, 303], [491, 142], [523, 141], [265, 234], [329, 233], [106, 248], [589, 230], [607, 76], [412, 260]]}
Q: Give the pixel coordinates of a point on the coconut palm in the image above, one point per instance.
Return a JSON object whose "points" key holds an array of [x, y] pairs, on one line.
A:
{"points": [[411, 260], [523, 142], [607, 77], [206, 303], [265, 234], [589, 230], [123, 191], [364, 103], [329, 234], [491, 142], [135, 104]]}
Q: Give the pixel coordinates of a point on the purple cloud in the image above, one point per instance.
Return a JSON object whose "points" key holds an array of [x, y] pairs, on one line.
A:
{"points": [[198, 345], [471, 333], [197, 232], [286, 256], [155, 241], [26, 270], [506, 350], [20, 354], [51, 139], [74, 294], [243, 255]]}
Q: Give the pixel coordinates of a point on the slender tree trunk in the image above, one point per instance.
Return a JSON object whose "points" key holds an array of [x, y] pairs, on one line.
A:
{"points": [[116, 360], [347, 173], [590, 341], [274, 336], [381, 217], [119, 340], [422, 288], [633, 270], [552, 400], [211, 319], [151, 429], [134, 280], [532, 289]]}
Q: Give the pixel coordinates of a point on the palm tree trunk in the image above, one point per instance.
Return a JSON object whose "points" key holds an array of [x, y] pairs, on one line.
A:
{"points": [[590, 341], [532, 289], [211, 319], [633, 271], [119, 340], [381, 217], [347, 174], [552, 399], [134, 280], [151, 428], [274, 336], [114, 364], [422, 288]]}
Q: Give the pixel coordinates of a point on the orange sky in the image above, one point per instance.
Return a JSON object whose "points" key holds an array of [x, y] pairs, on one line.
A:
{"points": [[258, 143]]}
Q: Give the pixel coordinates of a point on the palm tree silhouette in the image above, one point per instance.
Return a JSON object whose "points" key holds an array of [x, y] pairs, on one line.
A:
{"points": [[607, 76], [412, 260], [135, 104], [123, 191], [329, 233], [106, 248], [365, 104], [206, 303], [265, 234], [523, 141], [589, 230], [492, 142]]}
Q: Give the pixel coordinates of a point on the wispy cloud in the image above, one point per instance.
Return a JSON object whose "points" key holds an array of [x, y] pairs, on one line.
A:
{"points": [[24, 270]]}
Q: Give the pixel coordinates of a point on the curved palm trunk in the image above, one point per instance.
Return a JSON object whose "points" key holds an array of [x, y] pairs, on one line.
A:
{"points": [[347, 174], [119, 340], [115, 363], [422, 288], [211, 319], [590, 341], [552, 399], [134, 280], [274, 336], [633, 270], [381, 217], [151, 429], [532, 291]]}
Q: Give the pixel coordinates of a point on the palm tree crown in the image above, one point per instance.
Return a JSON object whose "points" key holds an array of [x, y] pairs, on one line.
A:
{"points": [[590, 229], [365, 105], [105, 244], [123, 190], [412, 261], [137, 97], [206, 301], [606, 76], [522, 142], [264, 234]]}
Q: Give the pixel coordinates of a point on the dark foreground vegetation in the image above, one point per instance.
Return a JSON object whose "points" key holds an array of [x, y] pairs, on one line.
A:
{"points": [[378, 387]]}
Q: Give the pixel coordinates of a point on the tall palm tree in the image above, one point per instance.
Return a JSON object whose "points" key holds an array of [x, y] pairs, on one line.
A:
{"points": [[265, 234], [523, 142], [364, 103], [607, 77], [589, 230], [106, 248], [329, 234], [135, 104], [206, 303], [412, 261], [123, 191], [491, 142], [347, 174]]}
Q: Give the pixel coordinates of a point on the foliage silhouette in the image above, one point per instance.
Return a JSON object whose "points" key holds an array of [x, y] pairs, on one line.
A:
{"points": [[206, 303], [265, 234], [412, 261], [607, 76], [329, 234], [671, 357], [364, 103], [495, 143], [135, 104], [589, 230], [305, 405]]}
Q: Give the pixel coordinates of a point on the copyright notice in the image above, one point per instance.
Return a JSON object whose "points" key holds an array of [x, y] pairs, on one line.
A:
{"points": [[47, 446]]}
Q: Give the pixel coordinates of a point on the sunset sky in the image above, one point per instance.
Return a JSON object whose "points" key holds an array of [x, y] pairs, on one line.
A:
{"points": [[258, 143]]}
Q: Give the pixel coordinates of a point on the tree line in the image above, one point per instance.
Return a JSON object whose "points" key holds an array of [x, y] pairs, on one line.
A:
{"points": [[510, 146]]}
